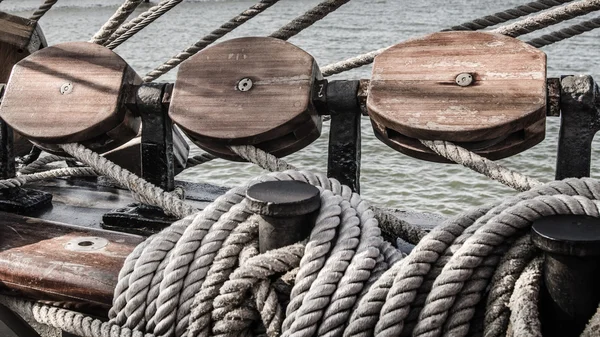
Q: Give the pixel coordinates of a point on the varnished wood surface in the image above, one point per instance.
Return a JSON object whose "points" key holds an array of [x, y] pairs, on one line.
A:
{"points": [[35, 262], [209, 108], [413, 89], [18, 38], [94, 109]]}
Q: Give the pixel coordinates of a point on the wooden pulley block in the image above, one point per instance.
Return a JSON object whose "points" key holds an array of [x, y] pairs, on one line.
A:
{"points": [[247, 91], [72, 92], [19, 37], [483, 91]]}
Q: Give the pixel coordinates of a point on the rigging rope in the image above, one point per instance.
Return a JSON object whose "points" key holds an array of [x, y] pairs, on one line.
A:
{"points": [[507, 15], [525, 26], [45, 7], [565, 33], [216, 34], [131, 28], [115, 21], [292, 28]]}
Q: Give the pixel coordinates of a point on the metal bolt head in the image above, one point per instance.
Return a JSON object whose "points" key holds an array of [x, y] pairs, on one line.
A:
{"points": [[66, 88], [244, 84], [464, 79]]}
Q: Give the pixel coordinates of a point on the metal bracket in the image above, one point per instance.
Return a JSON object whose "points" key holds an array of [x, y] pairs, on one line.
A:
{"points": [[580, 120], [343, 161]]}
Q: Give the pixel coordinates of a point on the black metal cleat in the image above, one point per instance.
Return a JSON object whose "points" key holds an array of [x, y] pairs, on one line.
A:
{"points": [[287, 210], [570, 295]]}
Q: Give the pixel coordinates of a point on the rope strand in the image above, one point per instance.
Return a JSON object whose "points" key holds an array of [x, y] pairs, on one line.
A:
{"points": [[115, 21], [45, 7]]}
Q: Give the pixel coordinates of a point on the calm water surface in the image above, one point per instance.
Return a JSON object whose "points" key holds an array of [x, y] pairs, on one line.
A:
{"points": [[388, 178]]}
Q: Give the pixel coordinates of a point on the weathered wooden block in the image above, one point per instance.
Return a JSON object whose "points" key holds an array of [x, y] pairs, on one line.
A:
{"points": [[484, 91], [247, 91], [72, 92], [19, 37]]}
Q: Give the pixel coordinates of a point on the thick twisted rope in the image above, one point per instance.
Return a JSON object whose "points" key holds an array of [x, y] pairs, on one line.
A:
{"points": [[40, 163], [115, 21], [140, 22], [548, 18], [45, 175], [507, 15], [518, 28], [482, 165], [45, 7], [565, 33], [308, 19], [524, 317], [216, 34]]}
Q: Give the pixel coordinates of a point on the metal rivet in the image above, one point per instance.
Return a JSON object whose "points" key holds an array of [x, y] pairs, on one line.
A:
{"points": [[66, 88], [244, 84], [86, 244], [464, 79]]}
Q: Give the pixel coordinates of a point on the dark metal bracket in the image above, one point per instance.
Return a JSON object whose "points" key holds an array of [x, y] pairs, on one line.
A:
{"points": [[159, 164], [579, 122]]}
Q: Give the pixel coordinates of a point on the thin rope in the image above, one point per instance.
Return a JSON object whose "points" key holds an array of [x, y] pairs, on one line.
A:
{"points": [[40, 163], [140, 22], [115, 21], [507, 15], [200, 159], [565, 33], [56, 173], [45, 7], [308, 19], [520, 27], [216, 34]]}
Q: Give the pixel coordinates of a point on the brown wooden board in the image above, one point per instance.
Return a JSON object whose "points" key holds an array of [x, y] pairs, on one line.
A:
{"points": [[19, 37], [207, 105], [92, 111], [35, 261], [413, 89]]}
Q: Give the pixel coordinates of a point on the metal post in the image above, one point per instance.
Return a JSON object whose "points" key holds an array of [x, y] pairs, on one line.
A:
{"points": [[570, 294], [286, 209], [344, 134], [580, 120]]}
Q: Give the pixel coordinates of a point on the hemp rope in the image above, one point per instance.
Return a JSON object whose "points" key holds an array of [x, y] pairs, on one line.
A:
{"points": [[140, 22], [115, 21], [524, 26], [45, 7], [216, 34]]}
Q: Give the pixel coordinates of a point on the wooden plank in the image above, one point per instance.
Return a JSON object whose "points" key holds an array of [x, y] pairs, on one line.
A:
{"points": [[208, 106], [35, 260], [71, 92], [413, 89]]}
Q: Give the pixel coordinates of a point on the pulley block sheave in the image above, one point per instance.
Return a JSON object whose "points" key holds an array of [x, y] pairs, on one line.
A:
{"points": [[72, 92], [485, 92], [247, 91], [19, 37]]}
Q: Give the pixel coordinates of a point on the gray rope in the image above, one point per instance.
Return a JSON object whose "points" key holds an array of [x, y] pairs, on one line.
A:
{"points": [[520, 27], [507, 15], [115, 21], [593, 327], [482, 165], [51, 174], [40, 163], [524, 317], [261, 158], [565, 33], [152, 195], [216, 34], [45, 7], [308, 19], [140, 22], [548, 18], [200, 159]]}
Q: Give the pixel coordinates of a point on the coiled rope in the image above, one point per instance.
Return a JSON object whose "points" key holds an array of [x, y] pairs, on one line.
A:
{"points": [[45, 7]]}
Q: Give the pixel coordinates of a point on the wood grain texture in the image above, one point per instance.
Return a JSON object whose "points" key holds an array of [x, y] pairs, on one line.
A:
{"points": [[93, 111], [209, 108], [413, 89], [35, 262], [19, 37]]}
